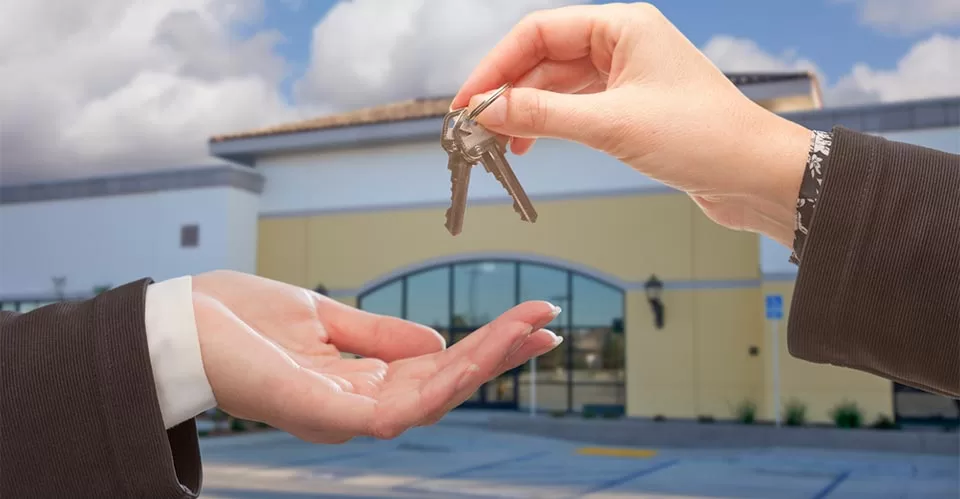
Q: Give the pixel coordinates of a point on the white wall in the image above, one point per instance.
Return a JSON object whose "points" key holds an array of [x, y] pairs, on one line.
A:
{"points": [[416, 173], [243, 210], [774, 258], [114, 240]]}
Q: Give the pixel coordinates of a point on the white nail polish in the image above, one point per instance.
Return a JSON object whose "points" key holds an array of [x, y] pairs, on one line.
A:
{"points": [[556, 339]]}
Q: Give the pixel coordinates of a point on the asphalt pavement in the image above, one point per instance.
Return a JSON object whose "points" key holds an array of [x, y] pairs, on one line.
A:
{"points": [[461, 462]]}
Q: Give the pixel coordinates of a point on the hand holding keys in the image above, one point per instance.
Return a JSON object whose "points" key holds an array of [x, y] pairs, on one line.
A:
{"points": [[466, 144]]}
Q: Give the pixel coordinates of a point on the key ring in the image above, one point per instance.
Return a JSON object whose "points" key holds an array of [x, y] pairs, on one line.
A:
{"points": [[486, 102]]}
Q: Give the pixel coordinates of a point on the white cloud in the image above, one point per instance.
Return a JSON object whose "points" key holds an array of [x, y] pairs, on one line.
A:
{"points": [[736, 55], [367, 52], [929, 69], [108, 85], [907, 16]]}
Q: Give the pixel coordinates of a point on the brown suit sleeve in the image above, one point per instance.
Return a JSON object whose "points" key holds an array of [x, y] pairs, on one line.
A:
{"points": [[879, 286], [79, 415]]}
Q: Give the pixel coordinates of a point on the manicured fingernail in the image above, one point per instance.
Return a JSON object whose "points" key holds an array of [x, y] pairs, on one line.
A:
{"points": [[556, 310], [556, 339], [467, 377], [493, 115]]}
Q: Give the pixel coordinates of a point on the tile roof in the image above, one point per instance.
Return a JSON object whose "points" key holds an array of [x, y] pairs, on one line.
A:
{"points": [[434, 107]]}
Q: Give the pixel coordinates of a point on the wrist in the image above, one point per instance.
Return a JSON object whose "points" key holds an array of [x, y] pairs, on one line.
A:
{"points": [[779, 155], [181, 382]]}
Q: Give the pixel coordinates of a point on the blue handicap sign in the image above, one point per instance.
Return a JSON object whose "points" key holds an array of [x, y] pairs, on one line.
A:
{"points": [[774, 307]]}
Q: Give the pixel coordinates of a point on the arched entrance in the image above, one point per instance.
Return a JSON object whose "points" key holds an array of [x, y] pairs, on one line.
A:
{"points": [[458, 297]]}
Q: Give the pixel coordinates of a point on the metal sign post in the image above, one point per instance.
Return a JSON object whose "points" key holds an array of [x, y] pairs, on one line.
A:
{"points": [[774, 312], [533, 387]]}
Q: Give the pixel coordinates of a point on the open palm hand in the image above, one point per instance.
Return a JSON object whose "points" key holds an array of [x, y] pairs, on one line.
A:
{"points": [[273, 353]]}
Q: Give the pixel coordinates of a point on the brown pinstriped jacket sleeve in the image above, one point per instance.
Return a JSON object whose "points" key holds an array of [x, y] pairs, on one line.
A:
{"points": [[79, 415], [878, 288]]}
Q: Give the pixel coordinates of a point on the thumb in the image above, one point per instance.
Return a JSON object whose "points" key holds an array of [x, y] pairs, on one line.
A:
{"points": [[534, 113]]}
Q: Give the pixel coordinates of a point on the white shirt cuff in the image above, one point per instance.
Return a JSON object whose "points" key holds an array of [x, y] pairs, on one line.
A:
{"points": [[182, 386]]}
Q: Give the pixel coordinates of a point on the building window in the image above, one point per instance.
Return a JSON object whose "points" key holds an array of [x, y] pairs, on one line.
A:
{"points": [[428, 299], [482, 291], [456, 299], [914, 407], [189, 236]]}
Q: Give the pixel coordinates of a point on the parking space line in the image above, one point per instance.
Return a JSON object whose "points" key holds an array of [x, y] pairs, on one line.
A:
{"points": [[631, 476], [416, 485], [616, 452], [832, 485], [489, 465], [328, 458]]}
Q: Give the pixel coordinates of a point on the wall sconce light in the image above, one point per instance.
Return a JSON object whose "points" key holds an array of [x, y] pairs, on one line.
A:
{"points": [[654, 289]]}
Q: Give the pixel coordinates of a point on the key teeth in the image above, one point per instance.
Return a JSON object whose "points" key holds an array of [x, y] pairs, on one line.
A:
{"points": [[453, 226], [533, 215]]}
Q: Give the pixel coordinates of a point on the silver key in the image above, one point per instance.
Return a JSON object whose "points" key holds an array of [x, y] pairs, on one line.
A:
{"points": [[476, 143], [460, 170]]}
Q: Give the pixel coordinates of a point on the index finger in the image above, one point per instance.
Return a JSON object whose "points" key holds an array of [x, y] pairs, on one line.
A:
{"points": [[562, 34]]}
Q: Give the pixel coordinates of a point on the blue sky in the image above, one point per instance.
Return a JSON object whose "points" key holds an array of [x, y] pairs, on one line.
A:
{"points": [[828, 32], [101, 85]]}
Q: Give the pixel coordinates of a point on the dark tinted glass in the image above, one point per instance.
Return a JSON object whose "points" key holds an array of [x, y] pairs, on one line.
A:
{"points": [[428, 297], [483, 291], [386, 300]]}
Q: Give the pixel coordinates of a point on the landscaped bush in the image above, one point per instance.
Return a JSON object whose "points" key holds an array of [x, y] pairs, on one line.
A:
{"points": [[847, 415], [237, 425], [746, 412], [557, 414], [884, 423], [796, 413], [659, 418], [705, 419]]}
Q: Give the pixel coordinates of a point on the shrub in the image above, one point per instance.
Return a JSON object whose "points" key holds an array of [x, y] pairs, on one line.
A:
{"points": [[705, 419], [557, 414], [659, 418], [237, 425], [747, 412], [611, 415], [203, 433], [589, 413], [847, 414], [796, 413], [884, 423]]}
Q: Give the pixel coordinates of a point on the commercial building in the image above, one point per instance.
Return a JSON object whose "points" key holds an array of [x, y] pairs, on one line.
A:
{"points": [[355, 203]]}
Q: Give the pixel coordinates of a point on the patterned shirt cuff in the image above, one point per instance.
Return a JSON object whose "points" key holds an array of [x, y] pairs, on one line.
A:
{"points": [[820, 143]]}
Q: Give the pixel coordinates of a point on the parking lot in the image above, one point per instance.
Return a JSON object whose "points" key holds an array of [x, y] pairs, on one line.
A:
{"points": [[462, 462]]}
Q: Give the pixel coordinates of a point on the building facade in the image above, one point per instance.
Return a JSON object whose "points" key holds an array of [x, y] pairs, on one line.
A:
{"points": [[356, 203]]}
